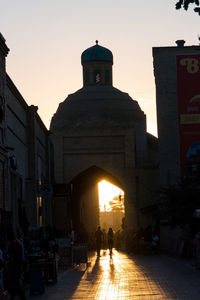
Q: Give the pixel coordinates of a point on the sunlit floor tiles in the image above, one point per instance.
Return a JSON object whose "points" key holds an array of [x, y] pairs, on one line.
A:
{"points": [[124, 277]]}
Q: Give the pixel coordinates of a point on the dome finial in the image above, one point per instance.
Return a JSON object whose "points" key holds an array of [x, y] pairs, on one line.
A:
{"points": [[97, 53]]}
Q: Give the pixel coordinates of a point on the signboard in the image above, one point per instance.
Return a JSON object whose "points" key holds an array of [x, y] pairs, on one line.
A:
{"points": [[188, 89]]}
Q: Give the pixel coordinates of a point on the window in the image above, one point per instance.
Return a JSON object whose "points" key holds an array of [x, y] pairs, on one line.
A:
{"points": [[97, 77]]}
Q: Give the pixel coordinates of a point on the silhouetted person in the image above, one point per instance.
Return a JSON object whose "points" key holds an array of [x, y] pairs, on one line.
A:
{"points": [[98, 237], [15, 253], [110, 240]]}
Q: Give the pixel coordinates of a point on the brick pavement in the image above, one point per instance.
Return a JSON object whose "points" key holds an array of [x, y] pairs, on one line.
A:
{"points": [[124, 277]]}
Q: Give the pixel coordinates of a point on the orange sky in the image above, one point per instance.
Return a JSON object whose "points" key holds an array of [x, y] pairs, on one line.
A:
{"points": [[46, 39]]}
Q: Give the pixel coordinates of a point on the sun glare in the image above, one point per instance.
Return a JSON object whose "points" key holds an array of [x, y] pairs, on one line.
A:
{"points": [[107, 192]]}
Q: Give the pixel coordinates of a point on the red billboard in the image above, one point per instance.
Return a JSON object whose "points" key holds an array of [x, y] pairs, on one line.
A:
{"points": [[188, 90]]}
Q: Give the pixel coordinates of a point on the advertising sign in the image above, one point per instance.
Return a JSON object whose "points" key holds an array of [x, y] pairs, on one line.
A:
{"points": [[188, 89]]}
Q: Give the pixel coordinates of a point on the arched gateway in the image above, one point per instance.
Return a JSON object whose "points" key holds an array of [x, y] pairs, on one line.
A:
{"points": [[99, 133]]}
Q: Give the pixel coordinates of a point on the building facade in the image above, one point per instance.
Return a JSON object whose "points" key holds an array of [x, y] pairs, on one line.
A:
{"points": [[176, 71], [172, 136], [3, 150], [24, 159], [99, 132]]}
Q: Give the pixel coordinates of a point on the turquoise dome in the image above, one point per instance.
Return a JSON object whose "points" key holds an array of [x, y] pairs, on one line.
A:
{"points": [[97, 53]]}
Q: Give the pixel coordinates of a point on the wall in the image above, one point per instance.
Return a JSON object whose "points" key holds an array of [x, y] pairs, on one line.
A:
{"points": [[165, 72], [4, 180], [111, 149], [167, 110], [28, 144]]}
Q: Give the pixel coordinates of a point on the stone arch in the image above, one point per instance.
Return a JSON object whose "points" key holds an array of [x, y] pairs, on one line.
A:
{"points": [[99, 173], [84, 197]]}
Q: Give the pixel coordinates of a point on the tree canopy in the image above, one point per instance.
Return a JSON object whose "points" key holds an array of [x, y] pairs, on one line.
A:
{"points": [[186, 3]]}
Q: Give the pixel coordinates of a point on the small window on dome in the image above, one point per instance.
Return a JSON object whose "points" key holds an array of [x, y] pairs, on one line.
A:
{"points": [[97, 77]]}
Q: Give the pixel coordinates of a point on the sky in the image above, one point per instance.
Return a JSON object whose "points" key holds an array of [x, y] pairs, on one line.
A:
{"points": [[47, 37], [107, 192]]}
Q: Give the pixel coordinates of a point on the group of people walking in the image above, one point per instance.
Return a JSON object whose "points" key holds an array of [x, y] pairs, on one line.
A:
{"points": [[101, 240]]}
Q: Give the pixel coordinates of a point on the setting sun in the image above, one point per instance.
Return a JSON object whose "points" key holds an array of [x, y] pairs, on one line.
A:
{"points": [[107, 192]]}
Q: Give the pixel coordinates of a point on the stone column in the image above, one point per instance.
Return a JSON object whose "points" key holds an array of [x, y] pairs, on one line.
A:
{"points": [[32, 179]]}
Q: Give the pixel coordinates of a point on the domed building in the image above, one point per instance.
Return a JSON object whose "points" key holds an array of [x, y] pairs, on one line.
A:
{"points": [[99, 132]]}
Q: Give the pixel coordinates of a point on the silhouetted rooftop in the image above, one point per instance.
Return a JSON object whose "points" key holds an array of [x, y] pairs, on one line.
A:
{"points": [[97, 53]]}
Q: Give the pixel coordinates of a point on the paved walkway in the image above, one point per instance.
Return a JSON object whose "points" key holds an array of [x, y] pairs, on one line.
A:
{"points": [[124, 277]]}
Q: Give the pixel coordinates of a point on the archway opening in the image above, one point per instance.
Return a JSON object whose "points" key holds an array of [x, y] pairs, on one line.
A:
{"points": [[111, 206], [87, 201]]}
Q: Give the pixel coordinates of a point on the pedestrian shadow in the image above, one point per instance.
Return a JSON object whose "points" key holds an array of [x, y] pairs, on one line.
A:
{"points": [[112, 271], [101, 263], [96, 268]]}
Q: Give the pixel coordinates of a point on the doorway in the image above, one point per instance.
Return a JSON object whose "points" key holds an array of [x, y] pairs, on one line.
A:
{"points": [[111, 206]]}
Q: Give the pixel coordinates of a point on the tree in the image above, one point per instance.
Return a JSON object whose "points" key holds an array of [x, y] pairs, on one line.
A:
{"points": [[117, 203], [185, 4]]}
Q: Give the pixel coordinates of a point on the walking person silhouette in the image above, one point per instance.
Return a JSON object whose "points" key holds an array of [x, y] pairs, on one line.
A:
{"points": [[110, 240], [98, 236]]}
